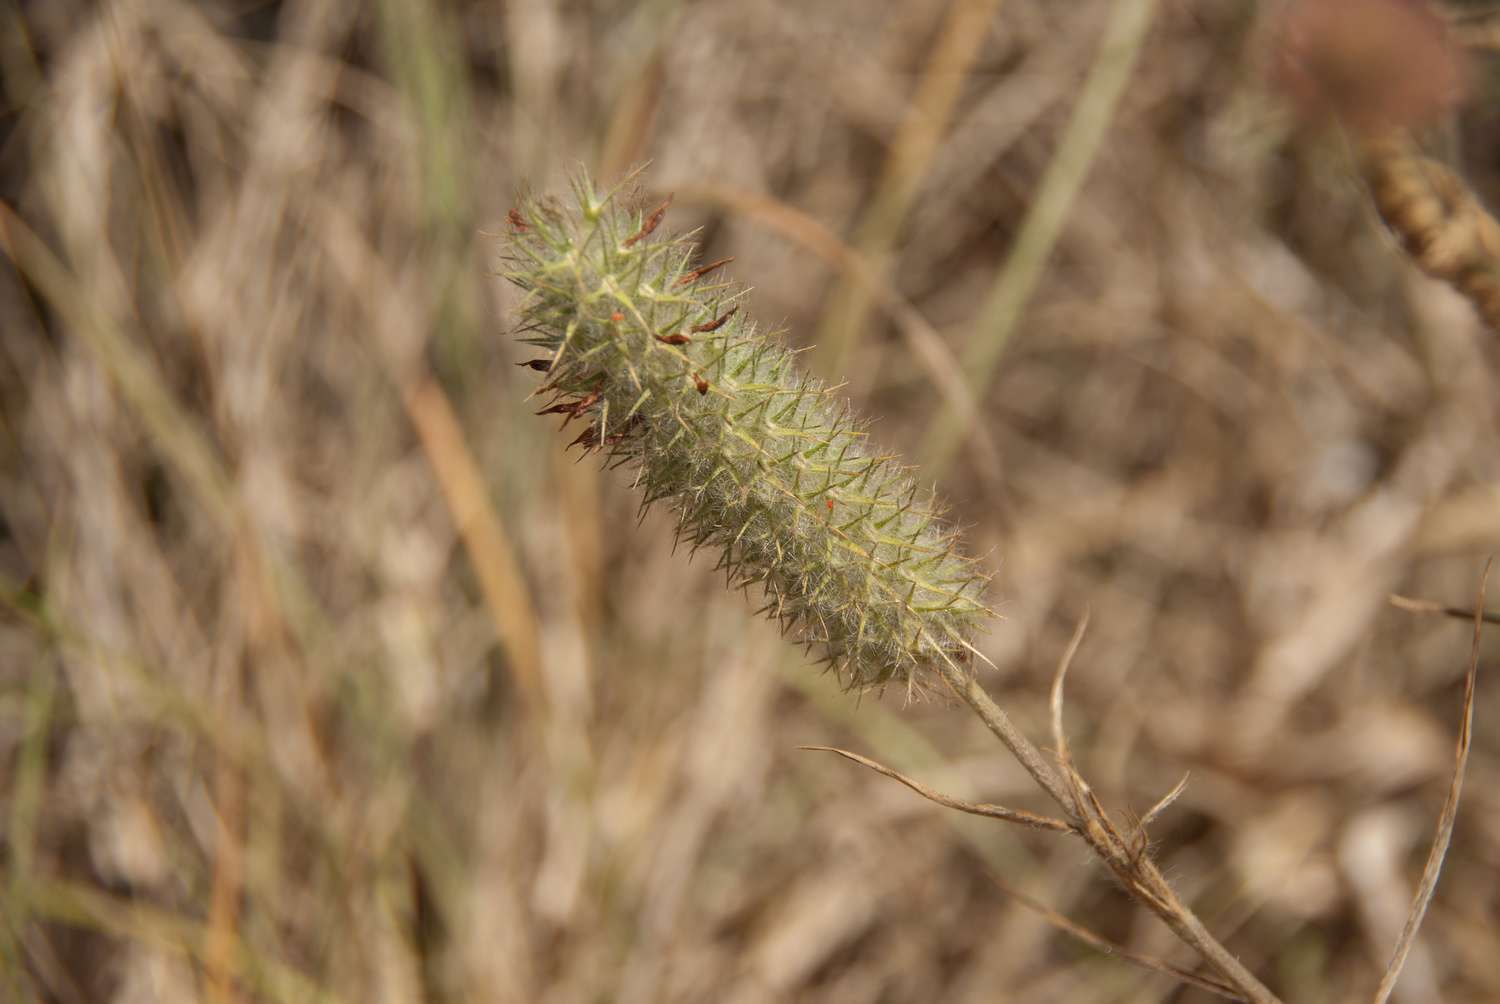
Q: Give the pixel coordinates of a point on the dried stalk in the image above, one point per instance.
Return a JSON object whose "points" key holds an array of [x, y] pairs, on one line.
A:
{"points": [[1444, 833], [1125, 857]]}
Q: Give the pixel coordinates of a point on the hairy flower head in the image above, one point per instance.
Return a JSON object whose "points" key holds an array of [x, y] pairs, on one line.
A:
{"points": [[759, 461]]}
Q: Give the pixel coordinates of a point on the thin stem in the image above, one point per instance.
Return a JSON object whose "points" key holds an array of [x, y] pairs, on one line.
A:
{"points": [[1186, 925], [1136, 872], [1444, 835], [998, 722]]}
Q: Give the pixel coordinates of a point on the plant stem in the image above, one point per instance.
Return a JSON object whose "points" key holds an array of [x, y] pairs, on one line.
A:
{"points": [[1136, 872], [998, 722]]}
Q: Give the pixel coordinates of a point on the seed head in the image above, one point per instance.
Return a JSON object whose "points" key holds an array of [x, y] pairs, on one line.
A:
{"points": [[760, 462]]}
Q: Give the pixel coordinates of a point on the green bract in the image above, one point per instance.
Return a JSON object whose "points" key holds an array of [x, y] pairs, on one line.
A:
{"points": [[760, 461]]}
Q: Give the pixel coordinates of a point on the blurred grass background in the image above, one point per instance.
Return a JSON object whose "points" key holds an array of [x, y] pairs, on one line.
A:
{"points": [[325, 675]]}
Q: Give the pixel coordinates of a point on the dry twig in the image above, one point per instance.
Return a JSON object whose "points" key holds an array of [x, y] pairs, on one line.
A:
{"points": [[1419, 606], [1124, 854], [1444, 834], [947, 801]]}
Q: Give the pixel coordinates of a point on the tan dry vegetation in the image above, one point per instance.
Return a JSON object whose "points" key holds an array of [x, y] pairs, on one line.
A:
{"points": [[325, 675]]}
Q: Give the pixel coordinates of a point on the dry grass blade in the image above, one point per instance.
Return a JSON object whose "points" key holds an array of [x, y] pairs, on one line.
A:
{"points": [[1444, 835], [1163, 804], [484, 535], [1019, 277], [956, 48], [1420, 606], [1020, 816], [1059, 736]]}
